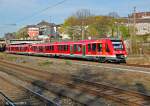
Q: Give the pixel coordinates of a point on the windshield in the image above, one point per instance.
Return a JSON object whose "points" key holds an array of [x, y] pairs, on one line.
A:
{"points": [[117, 44]]}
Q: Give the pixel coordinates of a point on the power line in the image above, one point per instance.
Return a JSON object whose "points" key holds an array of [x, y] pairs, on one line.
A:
{"points": [[41, 11]]}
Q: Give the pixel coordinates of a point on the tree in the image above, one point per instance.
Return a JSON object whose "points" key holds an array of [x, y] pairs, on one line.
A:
{"points": [[84, 23], [83, 16], [77, 23], [22, 33], [124, 31], [9, 36], [101, 26], [113, 15]]}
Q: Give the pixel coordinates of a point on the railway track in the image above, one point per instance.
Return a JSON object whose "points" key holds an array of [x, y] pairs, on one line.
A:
{"points": [[118, 95], [87, 61], [15, 93], [122, 67]]}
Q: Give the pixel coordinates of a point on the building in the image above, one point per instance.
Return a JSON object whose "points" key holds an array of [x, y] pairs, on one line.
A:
{"points": [[42, 30], [143, 26], [33, 31], [142, 20], [141, 15], [46, 28]]}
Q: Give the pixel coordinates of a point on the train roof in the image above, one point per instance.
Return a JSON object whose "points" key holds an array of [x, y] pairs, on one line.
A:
{"points": [[74, 42], [68, 42]]}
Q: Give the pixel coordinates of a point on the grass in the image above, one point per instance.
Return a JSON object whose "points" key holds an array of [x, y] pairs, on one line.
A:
{"points": [[68, 62], [143, 60], [45, 63]]}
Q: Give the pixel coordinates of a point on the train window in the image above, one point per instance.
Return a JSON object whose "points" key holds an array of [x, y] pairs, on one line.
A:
{"points": [[107, 48], [33, 48], [16, 48], [79, 48], [94, 47], [26, 48], [75, 48], [59, 47], [36, 48], [21, 48], [52, 48], [89, 47], [117, 44], [47, 47], [40, 49], [65, 47], [99, 47]]}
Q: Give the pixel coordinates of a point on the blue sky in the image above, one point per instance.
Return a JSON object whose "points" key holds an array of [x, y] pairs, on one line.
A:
{"points": [[15, 11]]}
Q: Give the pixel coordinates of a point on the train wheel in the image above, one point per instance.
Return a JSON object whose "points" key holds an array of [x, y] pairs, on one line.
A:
{"points": [[102, 59]]}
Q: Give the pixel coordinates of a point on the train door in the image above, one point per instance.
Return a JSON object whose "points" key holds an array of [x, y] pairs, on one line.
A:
{"points": [[71, 49], [77, 49], [99, 48], [94, 50], [83, 50]]}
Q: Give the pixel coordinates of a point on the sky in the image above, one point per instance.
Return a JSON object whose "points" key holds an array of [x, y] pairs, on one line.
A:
{"points": [[27, 12]]}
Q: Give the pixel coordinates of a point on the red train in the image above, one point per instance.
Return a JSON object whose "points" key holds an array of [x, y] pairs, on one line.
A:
{"points": [[103, 50]]}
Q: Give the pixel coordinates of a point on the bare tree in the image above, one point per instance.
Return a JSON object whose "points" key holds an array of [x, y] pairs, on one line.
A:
{"points": [[84, 18], [113, 15]]}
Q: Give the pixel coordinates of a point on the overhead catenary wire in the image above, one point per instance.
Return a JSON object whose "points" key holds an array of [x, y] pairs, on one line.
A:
{"points": [[20, 22], [41, 11]]}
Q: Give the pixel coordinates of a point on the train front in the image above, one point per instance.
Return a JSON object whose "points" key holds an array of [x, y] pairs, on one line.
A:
{"points": [[119, 50]]}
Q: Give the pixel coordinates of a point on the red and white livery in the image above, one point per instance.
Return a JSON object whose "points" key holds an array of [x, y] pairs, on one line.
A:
{"points": [[103, 50]]}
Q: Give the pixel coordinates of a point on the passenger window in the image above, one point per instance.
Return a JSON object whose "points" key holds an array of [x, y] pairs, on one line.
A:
{"points": [[52, 48], [66, 47], [107, 48], [75, 48], [46, 47], [94, 47], [89, 47], [99, 47], [40, 48], [59, 47], [79, 48]]}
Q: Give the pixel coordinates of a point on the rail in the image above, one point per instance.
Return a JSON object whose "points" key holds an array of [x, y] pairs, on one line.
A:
{"points": [[113, 93], [7, 100]]}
